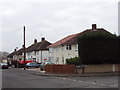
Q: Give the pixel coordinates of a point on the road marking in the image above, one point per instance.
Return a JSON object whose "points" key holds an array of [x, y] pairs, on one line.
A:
{"points": [[64, 78], [93, 83], [114, 85], [80, 81], [74, 80]]}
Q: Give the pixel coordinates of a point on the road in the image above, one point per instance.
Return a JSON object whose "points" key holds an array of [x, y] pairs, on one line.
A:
{"points": [[13, 78]]}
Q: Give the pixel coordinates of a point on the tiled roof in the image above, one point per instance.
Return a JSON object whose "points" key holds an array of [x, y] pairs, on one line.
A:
{"points": [[19, 52], [11, 55], [62, 41], [72, 39], [38, 46]]}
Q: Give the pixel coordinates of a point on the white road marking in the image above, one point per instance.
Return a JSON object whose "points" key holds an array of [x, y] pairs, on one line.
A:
{"points": [[80, 81], [114, 85], [64, 78], [74, 80]]}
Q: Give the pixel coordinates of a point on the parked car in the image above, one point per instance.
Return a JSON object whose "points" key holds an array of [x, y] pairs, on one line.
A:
{"points": [[42, 65], [33, 64], [3, 66]]}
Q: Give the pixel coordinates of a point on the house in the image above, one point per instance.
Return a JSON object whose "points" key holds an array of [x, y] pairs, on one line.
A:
{"points": [[63, 49], [68, 46], [16, 55], [38, 51]]}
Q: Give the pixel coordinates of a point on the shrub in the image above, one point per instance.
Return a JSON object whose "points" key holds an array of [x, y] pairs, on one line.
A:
{"points": [[75, 60]]}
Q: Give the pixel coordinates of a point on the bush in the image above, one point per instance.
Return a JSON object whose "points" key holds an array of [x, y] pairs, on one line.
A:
{"points": [[75, 60]]}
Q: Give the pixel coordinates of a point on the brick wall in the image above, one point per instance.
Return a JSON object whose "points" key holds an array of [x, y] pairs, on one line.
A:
{"points": [[61, 69]]}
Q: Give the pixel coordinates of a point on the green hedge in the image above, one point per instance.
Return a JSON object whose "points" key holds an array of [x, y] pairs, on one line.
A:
{"points": [[74, 60], [98, 48]]}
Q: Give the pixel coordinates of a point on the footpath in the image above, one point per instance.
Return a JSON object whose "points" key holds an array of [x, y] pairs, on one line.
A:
{"points": [[37, 71]]}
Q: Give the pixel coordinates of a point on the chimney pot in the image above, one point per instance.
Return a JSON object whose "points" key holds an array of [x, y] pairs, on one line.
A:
{"points": [[15, 50], [35, 41], [94, 26], [42, 39]]}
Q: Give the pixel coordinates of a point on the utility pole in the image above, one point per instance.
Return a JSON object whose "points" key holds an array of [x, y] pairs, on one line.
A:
{"points": [[24, 48]]}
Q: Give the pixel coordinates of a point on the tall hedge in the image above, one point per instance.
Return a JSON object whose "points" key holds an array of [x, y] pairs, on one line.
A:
{"points": [[96, 47], [118, 47]]}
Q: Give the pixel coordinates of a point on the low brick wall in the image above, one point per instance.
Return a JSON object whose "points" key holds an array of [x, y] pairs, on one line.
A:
{"points": [[61, 69], [100, 68]]}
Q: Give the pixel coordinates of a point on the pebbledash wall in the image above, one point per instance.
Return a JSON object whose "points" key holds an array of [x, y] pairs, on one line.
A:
{"points": [[59, 54], [39, 56], [100, 68]]}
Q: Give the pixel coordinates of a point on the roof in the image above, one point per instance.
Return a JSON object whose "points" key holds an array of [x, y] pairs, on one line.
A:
{"points": [[19, 52], [63, 41], [72, 39], [11, 55], [38, 46]]}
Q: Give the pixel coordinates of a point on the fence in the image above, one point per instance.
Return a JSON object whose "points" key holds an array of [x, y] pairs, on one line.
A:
{"points": [[63, 69]]}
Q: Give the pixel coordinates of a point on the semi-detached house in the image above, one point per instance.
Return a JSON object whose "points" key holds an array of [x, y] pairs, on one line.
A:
{"points": [[63, 49], [38, 51], [68, 46]]}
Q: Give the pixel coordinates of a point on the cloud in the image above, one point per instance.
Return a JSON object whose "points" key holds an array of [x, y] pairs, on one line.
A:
{"points": [[53, 19]]}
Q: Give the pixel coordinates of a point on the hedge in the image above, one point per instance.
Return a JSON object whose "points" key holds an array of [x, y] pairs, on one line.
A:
{"points": [[98, 48]]}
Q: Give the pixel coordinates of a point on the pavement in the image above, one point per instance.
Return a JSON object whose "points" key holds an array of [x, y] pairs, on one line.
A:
{"points": [[37, 71]]}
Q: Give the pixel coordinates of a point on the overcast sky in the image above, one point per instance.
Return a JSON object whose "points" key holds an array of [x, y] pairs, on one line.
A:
{"points": [[53, 19]]}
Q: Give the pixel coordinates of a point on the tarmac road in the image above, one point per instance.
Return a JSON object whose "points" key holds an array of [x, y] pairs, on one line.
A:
{"points": [[14, 78]]}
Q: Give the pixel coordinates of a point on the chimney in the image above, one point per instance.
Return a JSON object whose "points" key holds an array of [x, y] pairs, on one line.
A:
{"points": [[94, 26], [42, 39], [35, 41], [15, 50], [22, 46]]}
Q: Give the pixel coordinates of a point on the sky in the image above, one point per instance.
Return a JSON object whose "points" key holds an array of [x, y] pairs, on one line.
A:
{"points": [[52, 19]]}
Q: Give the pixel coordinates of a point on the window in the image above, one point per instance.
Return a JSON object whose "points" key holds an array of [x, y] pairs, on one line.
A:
{"points": [[76, 47], [34, 59], [68, 47], [28, 53], [35, 53], [50, 50], [49, 59]]}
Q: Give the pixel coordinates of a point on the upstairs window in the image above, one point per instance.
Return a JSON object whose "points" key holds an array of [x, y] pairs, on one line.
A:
{"points": [[50, 50], [76, 47], [68, 47], [35, 52]]}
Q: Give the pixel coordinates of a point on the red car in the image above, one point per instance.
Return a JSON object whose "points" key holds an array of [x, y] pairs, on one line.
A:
{"points": [[26, 61]]}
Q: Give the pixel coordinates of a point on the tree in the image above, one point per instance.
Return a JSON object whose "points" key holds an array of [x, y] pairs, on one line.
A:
{"points": [[3, 55]]}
